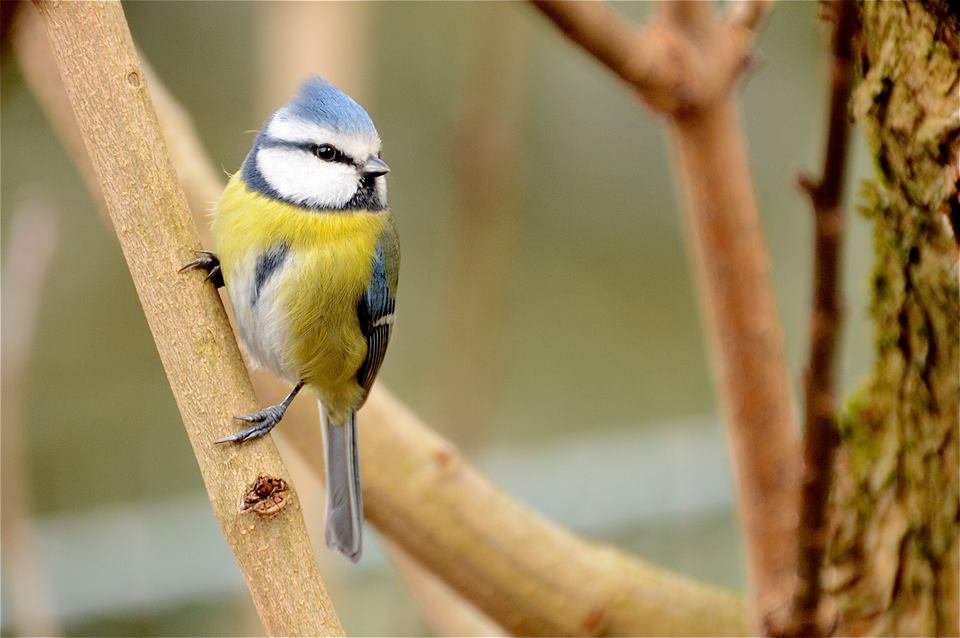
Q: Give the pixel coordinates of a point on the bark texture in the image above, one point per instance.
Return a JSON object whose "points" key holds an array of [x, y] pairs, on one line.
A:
{"points": [[892, 560]]}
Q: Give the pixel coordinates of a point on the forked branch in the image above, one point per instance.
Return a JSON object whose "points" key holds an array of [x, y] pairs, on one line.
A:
{"points": [[666, 60]]}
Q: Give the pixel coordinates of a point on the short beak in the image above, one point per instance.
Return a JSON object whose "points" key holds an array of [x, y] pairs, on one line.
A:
{"points": [[375, 167]]}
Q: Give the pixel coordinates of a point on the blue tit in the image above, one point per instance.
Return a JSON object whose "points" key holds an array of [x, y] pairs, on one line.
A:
{"points": [[308, 251]]}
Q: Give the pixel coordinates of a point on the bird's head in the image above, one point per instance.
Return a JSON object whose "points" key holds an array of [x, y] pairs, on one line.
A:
{"points": [[319, 151]]}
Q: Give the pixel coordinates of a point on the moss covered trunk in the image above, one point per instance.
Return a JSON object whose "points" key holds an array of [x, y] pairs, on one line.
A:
{"points": [[893, 561]]}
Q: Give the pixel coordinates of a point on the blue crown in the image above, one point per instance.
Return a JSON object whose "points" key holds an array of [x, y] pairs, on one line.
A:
{"points": [[321, 102]]}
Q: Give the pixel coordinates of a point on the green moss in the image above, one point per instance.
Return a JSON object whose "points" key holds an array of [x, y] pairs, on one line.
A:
{"points": [[899, 432]]}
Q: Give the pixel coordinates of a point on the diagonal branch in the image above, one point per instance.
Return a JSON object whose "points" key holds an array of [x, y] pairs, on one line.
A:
{"points": [[445, 612], [610, 39], [820, 433], [697, 56], [106, 87]]}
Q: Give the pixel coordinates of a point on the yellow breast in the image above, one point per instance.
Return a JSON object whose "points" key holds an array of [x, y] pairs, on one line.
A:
{"points": [[327, 268]]}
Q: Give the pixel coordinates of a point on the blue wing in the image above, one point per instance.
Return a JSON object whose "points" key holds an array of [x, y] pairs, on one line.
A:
{"points": [[377, 306]]}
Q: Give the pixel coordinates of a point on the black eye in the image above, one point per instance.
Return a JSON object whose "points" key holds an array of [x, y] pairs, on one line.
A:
{"points": [[326, 152]]}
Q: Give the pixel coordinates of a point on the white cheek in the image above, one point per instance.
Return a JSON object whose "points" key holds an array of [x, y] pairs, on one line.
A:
{"points": [[302, 178]]}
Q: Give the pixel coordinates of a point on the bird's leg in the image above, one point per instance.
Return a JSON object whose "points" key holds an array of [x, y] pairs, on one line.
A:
{"points": [[263, 421], [208, 262]]}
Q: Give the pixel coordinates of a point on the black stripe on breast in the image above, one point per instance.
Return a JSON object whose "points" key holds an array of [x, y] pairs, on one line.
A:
{"points": [[267, 264]]}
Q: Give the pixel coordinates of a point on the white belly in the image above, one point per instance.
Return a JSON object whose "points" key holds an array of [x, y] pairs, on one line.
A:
{"points": [[260, 321]]}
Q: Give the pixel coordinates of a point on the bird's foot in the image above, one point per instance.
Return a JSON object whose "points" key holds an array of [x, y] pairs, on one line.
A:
{"points": [[207, 262], [263, 421]]}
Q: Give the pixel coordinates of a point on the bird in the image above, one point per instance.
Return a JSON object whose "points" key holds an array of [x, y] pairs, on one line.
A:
{"points": [[307, 248]]}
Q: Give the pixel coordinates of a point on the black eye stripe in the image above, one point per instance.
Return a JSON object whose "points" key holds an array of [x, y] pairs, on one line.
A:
{"points": [[309, 147], [339, 156], [327, 152]]}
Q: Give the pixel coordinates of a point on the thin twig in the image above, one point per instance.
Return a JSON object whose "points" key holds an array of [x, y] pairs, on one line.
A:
{"points": [[31, 245], [106, 88], [820, 435], [527, 574], [696, 57]]}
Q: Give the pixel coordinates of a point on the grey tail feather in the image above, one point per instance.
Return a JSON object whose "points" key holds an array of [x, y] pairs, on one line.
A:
{"points": [[344, 528]]}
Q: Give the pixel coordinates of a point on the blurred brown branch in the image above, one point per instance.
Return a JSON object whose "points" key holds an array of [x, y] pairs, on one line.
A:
{"points": [[290, 50], [820, 407], [684, 64], [530, 576], [107, 89], [446, 613], [682, 61], [31, 245], [40, 74], [484, 158]]}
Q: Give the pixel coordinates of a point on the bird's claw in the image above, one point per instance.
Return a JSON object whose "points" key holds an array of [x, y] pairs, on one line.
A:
{"points": [[208, 262], [263, 421]]}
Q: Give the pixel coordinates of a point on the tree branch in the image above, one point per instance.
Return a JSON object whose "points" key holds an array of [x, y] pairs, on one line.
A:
{"points": [[106, 86], [607, 37], [701, 56], [444, 610], [529, 575], [41, 75], [666, 61], [484, 220], [820, 433], [31, 245]]}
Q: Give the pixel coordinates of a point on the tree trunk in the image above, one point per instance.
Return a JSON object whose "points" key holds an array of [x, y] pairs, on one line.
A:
{"points": [[893, 562]]}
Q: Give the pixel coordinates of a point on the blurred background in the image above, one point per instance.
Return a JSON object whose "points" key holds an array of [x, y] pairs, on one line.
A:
{"points": [[548, 321]]}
